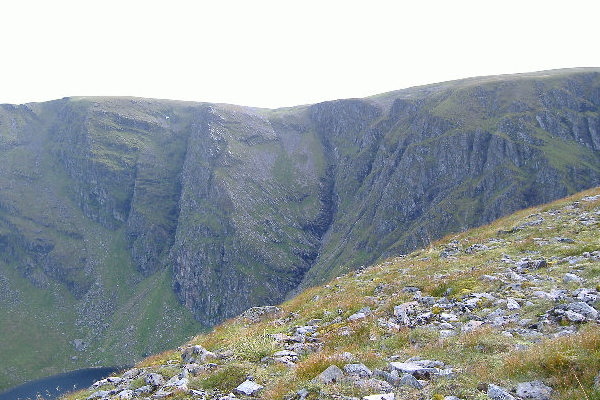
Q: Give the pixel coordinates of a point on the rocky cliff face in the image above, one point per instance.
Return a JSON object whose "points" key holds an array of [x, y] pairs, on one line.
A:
{"points": [[185, 209]]}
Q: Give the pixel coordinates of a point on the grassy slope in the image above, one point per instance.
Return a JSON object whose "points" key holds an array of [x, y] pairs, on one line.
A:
{"points": [[568, 363]]}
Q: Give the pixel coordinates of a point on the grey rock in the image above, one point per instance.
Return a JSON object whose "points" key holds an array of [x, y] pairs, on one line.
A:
{"points": [[306, 330], [302, 394], [583, 309], [178, 382], [131, 374], [497, 393], [358, 370], [332, 374], [99, 394], [512, 304], [391, 378], [357, 316], [382, 396], [154, 379], [143, 390], [410, 380], [125, 394], [535, 390], [256, 314], [413, 368], [569, 277], [574, 316], [248, 388], [197, 353]]}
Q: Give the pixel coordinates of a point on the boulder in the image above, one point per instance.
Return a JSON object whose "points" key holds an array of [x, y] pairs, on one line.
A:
{"points": [[332, 374], [358, 370], [153, 379], [248, 388], [584, 309], [497, 393], [534, 390], [414, 369]]}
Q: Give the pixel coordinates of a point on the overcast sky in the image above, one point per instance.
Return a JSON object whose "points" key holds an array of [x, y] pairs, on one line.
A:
{"points": [[280, 53]]}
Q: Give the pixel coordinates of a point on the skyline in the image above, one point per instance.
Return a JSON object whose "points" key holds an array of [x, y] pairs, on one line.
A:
{"points": [[278, 54]]}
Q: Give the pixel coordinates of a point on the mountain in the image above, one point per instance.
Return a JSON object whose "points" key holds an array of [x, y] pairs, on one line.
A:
{"points": [[127, 224], [505, 311]]}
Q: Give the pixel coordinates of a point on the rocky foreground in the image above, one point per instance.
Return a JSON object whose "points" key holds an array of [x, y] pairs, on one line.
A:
{"points": [[507, 311]]}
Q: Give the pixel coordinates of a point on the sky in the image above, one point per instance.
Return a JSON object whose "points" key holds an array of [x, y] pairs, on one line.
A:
{"points": [[266, 53]]}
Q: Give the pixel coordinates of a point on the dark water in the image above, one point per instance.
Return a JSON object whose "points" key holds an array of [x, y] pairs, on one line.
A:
{"points": [[52, 387]]}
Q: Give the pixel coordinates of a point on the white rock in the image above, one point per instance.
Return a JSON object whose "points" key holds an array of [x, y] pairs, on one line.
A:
{"points": [[449, 317], [497, 393], [574, 316], [383, 396], [512, 304], [534, 390], [572, 278], [248, 388]]}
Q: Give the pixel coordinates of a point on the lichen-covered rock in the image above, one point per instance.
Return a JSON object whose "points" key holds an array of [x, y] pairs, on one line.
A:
{"points": [[534, 390]]}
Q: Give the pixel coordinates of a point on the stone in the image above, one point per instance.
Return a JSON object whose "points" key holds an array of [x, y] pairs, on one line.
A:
{"points": [[142, 390], [357, 316], [410, 380], [404, 310], [448, 317], [391, 378], [583, 309], [155, 379], [248, 388], [535, 390], [414, 369], [332, 374], [286, 353], [497, 393], [197, 353], [537, 264], [178, 382], [125, 394], [574, 316], [512, 304], [99, 394], [569, 277], [256, 314], [306, 330], [132, 373], [358, 370], [383, 396], [302, 393]]}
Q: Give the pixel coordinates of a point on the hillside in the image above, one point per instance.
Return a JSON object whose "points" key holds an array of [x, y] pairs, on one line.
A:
{"points": [[128, 225], [505, 311]]}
